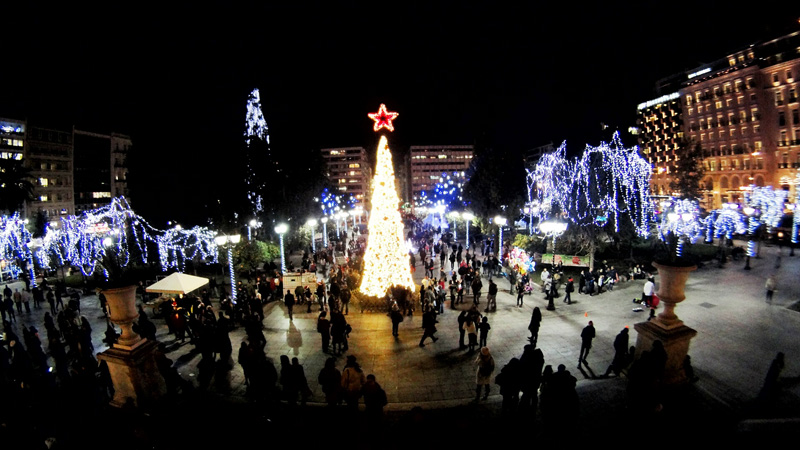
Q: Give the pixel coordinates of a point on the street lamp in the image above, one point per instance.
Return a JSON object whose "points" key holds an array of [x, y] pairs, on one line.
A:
{"points": [[281, 229], [501, 222], [313, 224], [324, 221], [467, 217], [226, 240], [353, 213], [454, 215]]}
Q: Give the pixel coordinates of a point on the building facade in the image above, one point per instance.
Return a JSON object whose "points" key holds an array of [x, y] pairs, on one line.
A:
{"points": [[743, 110], [100, 171], [49, 154], [349, 172], [429, 162]]}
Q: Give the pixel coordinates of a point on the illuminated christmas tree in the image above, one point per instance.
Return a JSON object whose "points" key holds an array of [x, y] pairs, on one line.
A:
{"points": [[386, 259]]}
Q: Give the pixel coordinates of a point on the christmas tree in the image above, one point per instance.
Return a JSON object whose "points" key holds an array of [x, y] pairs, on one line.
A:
{"points": [[386, 259]]}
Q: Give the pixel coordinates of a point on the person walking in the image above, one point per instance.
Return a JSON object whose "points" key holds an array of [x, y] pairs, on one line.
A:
{"points": [[289, 301], [587, 335], [429, 324], [17, 297], [353, 380], [484, 328], [620, 353], [770, 285], [483, 375], [569, 289], [491, 297], [533, 326]]}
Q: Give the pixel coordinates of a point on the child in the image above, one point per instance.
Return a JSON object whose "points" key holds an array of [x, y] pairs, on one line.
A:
{"points": [[484, 328]]}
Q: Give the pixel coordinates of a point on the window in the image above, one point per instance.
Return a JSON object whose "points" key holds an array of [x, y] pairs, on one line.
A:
{"points": [[740, 100], [42, 198], [795, 117], [781, 118], [728, 102], [779, 98], [718, 104], [775, 78], [758, 146], [792, 95], [43, 182], [759, 164], [789, 75]]}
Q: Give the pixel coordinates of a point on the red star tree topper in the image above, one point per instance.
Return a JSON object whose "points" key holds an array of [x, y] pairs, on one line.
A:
{"points": [[383, 118]]}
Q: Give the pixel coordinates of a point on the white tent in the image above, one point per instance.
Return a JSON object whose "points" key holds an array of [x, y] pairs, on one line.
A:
{"points": [[178, 283]]}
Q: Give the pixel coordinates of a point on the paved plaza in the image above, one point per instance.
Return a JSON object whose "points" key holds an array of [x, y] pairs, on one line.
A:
{"points": [[738, 335]]}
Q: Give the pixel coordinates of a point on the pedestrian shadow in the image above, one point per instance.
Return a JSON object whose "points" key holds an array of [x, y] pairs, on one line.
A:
{"points": [[294, 339], [187, 358], [587, 371]]}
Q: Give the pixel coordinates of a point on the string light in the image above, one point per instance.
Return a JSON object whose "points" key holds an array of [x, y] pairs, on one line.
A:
{"points": [[83, 241], [796, 213], [383, 118], [725, 222], [605, 182], [386, 258], [681, 219], [15, 240], [255, 127]]}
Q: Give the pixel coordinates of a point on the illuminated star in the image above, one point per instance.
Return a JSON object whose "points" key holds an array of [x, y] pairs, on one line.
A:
{"points": [[383, 118]]}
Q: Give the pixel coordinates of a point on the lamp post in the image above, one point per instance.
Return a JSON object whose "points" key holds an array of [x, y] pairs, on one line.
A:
{"points": [[336, 219], [324, 221], [313, 224], [454, 215], [225, 241], [552, 228], [749, 211], [281, 230], [353, 214], [467, 218], [501, 222]]}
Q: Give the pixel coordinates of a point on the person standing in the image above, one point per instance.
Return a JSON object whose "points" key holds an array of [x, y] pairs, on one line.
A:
{"points": [[353, 380], [18, 300], [533, 327], [288, 300], [770, 286], [462, 319], [520, 293], [587, 335], [472, 333], [484, 328], [330, 379], [483, 376], [569, 289], [477, 285], [324, 329], [396, 317], [374, 399]]}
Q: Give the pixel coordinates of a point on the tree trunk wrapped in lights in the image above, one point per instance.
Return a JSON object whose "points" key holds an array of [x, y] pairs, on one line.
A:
{"points": [[386, 259]]}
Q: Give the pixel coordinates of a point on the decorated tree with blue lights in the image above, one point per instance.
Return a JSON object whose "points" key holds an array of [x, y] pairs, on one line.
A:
{"points": [[680, 224], [604, 192], [766, 210]]}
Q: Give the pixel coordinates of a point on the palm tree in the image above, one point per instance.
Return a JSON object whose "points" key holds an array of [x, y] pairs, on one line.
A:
{"points": [[16, 185]]}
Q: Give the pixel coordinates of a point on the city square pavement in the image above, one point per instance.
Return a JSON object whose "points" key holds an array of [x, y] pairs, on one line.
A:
{"points": [[738, 335]]}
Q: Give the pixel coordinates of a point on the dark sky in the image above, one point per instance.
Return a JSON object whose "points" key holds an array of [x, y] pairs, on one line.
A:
{"points": [[176, 77]]}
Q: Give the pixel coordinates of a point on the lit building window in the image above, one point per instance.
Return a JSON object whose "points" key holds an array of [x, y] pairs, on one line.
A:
{"points": [[43, 182], [42, 198], [101, 194]]}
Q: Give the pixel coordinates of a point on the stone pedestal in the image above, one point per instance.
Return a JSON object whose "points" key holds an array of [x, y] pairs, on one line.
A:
{"points": [[676, 342], [135, 374], [131, 360]]}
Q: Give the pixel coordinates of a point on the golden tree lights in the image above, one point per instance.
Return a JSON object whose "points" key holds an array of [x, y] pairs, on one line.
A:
{"points": [[386, 259]]}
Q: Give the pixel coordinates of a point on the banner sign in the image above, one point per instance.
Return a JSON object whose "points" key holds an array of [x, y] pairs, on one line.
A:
{"points": [[565, 260]]}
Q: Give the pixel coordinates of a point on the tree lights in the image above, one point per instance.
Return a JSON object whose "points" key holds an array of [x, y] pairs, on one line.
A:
{"points": [[681, 221], [255, 128], [83, 241], [386, 257]]}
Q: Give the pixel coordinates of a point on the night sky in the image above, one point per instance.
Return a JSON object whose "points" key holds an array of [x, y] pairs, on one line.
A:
{"points": [[176, 78]]}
